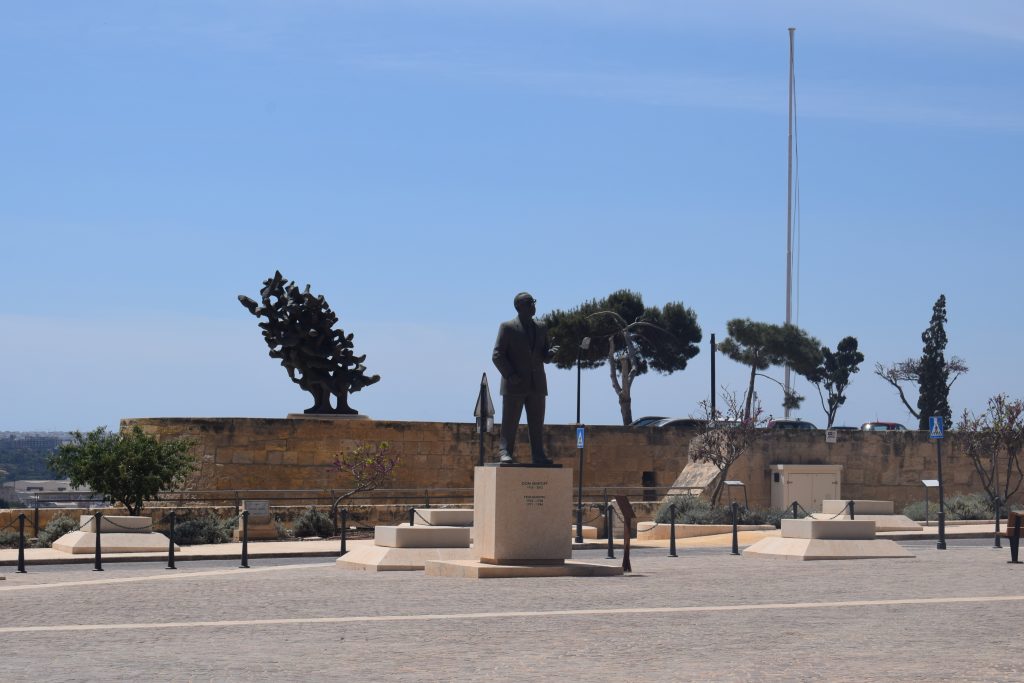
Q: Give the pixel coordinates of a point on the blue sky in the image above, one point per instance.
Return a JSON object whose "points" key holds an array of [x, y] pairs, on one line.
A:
{"points": [[419, 163]]}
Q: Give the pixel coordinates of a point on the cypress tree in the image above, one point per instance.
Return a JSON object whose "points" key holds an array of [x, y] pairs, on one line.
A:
{"points": [[934, 374]]}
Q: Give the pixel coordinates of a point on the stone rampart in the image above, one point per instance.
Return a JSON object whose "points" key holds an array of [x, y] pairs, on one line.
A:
{"points": [[250, 453]]}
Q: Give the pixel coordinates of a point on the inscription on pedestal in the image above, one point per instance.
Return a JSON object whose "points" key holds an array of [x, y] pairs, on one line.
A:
{"points": [[520, 515]]}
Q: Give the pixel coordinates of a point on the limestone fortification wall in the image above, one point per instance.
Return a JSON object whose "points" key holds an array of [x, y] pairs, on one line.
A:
{"points": [[247, 453]]}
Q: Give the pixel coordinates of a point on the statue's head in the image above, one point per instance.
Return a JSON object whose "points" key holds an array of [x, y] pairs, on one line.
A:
{"points": [[525, 304]]}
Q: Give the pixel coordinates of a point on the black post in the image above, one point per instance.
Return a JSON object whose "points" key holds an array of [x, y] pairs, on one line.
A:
{"points": [[795, 504], [412, 516], [98, 564], [608, 530], [1015, 540], [170, 542], [21, 543], [997, 543], [245, 540], [344, 530], [579, 490], [334, 515], [850, 505], [941, 545], [672, 531], [35, 516], [735, 530], [713, 414]]}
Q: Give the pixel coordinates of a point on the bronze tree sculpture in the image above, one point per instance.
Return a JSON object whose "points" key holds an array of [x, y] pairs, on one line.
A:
{"points": [[299, 331]]}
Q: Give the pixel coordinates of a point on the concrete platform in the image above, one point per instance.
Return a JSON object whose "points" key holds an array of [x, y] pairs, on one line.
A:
{"points": [[422, 536], [867, 507], [375, 558], [84, 542], [471, 569], [826, 549], [651, 531]]}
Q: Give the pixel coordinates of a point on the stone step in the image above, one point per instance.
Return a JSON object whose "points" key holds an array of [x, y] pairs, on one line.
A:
{"points": [[421, 536], [832, 530]]}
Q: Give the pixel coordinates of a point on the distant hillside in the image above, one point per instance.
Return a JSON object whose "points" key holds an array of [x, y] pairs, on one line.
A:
{"points": [[23, 454]]}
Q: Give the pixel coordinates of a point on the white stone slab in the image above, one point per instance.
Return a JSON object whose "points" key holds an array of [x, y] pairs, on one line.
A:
{"points": [[421, 536], [374, 558], [445, 516], [471, 569], [836, 529], [116, 524], [520, 514], [860, 507], [84, 543], [775, 547], [882, 522]]}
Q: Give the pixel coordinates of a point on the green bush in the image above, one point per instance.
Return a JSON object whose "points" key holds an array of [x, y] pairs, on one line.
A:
{"points": [[54, 529], [204, 530], [312, 522], [694, 510], [971, 506], [8, 538]]}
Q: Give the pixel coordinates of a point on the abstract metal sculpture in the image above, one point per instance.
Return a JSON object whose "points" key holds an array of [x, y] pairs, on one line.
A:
{"points": [[299, 331]]}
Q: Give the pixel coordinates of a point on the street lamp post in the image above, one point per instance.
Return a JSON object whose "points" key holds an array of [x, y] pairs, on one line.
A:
{"points": [[584, 345]]}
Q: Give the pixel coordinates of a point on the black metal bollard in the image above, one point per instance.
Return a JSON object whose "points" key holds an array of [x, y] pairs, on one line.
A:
{"points": [[170, 542], [996, 543], [608, 530], [35, 517], [98, 564], [735, 530], [1015, 541], [795, 505], [344, 530], [672, 531], [245, 540], [850, 505], [412, 516], [21, 543]]}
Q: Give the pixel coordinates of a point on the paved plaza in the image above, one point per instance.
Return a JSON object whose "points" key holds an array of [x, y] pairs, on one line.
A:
{"points": [[705, 615]]}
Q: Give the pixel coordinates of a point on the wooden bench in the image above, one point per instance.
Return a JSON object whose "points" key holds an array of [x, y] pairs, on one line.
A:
{"points": [[1014, 529]]}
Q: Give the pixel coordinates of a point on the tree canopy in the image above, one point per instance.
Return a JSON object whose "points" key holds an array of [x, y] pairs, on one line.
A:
{"points": [[627, 335], [933, 376], [128, 467], [834, 374], [762, 345]]}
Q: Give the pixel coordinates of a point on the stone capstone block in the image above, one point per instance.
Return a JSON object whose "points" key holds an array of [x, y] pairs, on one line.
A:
{"points": [[421, 536], [865, 507], [833, 529], [116, 524], [444, 516]]}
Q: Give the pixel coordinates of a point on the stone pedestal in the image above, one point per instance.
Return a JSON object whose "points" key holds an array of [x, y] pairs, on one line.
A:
{"points": [[520, 515], [261, 525], [120, 534], [519, 527]]}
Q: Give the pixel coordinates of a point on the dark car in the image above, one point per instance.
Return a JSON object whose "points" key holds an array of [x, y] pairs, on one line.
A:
{"points": [[684, 422], [883, 427], [647, 421], [790, 424]]}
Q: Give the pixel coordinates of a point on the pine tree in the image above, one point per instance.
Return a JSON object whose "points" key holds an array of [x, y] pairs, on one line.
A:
{"points": [[933, 373]]}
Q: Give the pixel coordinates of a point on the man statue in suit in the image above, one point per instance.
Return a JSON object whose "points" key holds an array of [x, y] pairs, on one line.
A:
{"points": [[519, 354]]}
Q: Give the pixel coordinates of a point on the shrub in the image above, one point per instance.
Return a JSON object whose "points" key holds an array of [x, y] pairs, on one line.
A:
{"points": [[54, 529], [312, 522], [694, 510], [8, 538], [971, 506], [204, 530]]}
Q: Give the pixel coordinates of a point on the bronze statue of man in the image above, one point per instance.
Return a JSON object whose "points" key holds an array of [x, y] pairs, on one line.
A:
{"points": [[519, 354]]}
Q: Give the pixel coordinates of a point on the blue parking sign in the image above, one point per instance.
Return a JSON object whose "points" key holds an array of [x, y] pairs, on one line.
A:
{"points": [[935, 428]]}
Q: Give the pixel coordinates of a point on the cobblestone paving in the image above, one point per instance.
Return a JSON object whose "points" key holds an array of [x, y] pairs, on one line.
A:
{"points": [[465, 629]]}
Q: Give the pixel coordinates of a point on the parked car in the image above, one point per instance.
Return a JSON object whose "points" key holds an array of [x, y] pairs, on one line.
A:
{"points": [[883, 427], [647, 421], [844, 428], [790, 424], [684, 422]]}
